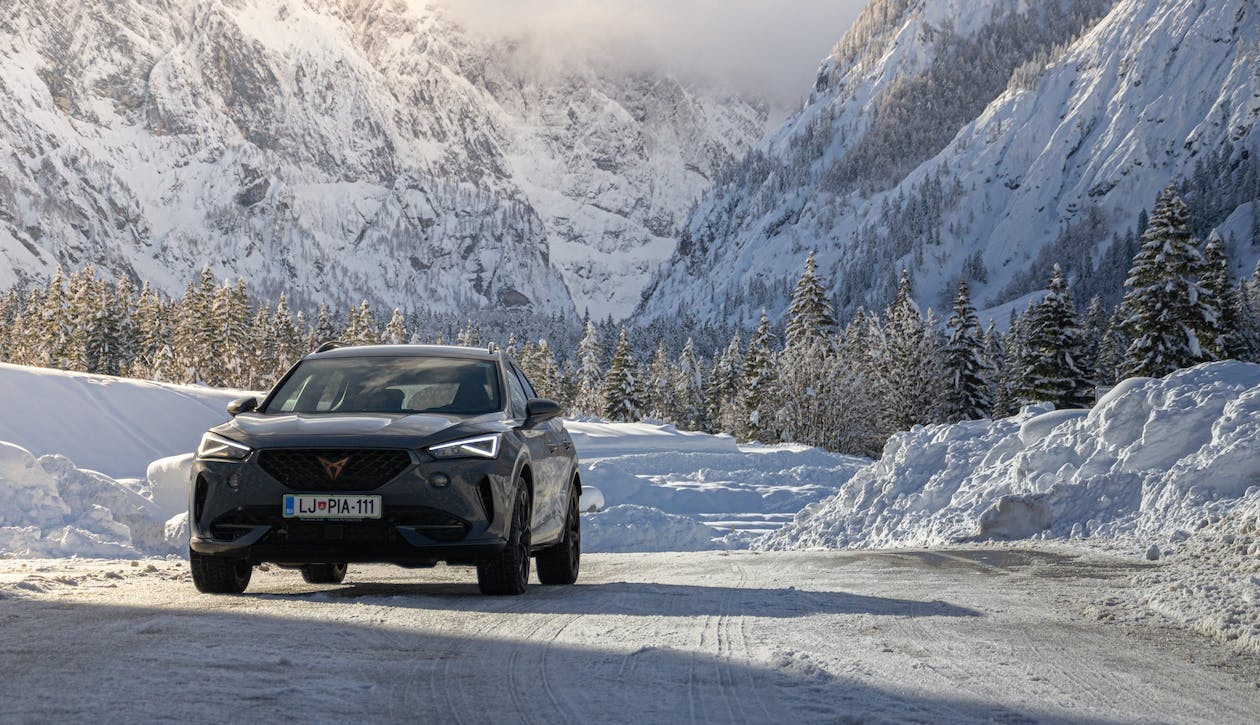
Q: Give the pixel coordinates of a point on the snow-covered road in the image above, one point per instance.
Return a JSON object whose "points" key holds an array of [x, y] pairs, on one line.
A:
{"points": [[972, 634]]}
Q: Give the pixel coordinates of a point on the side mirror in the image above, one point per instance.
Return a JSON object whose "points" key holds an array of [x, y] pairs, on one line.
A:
{"points": [[540, 410], [242, 405]]}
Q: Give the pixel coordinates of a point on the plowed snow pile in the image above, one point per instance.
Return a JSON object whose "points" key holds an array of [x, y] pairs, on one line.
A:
{"points": [[1169, 468]]}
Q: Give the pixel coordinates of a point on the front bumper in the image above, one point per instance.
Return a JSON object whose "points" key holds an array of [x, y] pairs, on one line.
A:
{"points": [[453, 511]]}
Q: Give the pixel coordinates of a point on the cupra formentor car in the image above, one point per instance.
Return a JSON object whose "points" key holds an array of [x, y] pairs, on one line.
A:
{"points": [[403, 454]]}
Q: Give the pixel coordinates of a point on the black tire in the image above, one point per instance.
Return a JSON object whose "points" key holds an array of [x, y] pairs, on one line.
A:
{"points": [[213, 575], [334, 573], [508, 571], [559, 564]]}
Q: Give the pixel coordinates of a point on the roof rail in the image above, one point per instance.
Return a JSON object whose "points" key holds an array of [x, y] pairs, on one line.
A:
{"points": [[492, 348], [330, 345]]}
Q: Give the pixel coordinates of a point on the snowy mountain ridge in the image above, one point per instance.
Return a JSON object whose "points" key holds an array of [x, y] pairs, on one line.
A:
{"points": [[985, 143], [341, 151]]}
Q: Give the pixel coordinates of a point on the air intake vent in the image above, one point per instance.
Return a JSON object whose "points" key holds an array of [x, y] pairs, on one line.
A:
{"points": [[324, 469]]}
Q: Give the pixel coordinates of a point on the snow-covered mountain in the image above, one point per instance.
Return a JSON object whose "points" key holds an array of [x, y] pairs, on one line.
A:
{"points": [[985, 139], [342, 150]]}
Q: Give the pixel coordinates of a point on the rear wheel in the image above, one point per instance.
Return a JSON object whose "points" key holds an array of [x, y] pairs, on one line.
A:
{"points": [[559, 564], [508, 571], [334, 573], [213, 575]]}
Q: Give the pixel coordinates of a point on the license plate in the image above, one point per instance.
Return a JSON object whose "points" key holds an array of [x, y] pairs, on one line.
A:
{"points": [[331, 506]]}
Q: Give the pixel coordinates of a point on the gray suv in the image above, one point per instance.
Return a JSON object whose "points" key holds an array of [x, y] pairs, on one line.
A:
{"points": [[403, 454]]}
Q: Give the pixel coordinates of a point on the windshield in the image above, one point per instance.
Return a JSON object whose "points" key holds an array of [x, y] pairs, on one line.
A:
{"points": [[402, 384]]}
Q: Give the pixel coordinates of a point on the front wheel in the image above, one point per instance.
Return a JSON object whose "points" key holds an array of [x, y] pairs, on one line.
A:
{"points": [[213, 575], [508, 571], [559, 564], [324, 573]]}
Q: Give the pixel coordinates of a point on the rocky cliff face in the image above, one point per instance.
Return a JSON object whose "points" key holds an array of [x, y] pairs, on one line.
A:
{"points": [[985, 140], [339, 151]]}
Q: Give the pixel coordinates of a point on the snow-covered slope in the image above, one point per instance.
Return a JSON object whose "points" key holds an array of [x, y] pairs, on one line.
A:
{"points": [[985, 139], [340, 151]]}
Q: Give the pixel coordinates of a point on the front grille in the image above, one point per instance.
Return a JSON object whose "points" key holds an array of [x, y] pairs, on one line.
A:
{"points": [[325, 469]]}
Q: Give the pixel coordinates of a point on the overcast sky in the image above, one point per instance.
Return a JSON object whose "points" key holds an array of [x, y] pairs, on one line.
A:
{"points": [[767, 47]]}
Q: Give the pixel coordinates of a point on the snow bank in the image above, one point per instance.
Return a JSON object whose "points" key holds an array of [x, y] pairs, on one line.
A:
{"points": [[686, 484], [601, 439], [53, 508], [628, 528], [113, 425], [1152, 459]]}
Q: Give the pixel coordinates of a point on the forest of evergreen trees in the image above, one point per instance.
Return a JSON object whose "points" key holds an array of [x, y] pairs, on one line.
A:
{"points": [[808, 379]]}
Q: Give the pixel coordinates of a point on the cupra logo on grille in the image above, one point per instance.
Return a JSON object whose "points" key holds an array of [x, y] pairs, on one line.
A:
{"points": [[333, 468]]}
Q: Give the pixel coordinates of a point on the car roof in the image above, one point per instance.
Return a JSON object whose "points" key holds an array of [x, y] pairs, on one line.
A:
{"points": [[451, 351]]}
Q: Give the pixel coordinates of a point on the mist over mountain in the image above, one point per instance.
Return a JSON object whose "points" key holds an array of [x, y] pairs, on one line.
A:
{"points": [[564, 157], [341, 151]]}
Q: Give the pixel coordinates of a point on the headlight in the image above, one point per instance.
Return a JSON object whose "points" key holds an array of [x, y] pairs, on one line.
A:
{"points": [[216, 446], [479, 447]]}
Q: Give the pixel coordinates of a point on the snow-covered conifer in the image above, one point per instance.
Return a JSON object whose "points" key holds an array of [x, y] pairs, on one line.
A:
{"points": [[1219, 332], [687, 389], [907, 364], [623, 399], [722, 386], [810, 317], [757, 402], [1051, 363], [396, 329], [1163, 311], [658, 398], [361, 327], [589, 396], [967, 368]]}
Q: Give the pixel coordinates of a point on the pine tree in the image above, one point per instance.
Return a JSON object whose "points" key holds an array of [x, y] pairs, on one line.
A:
{"points": [[230, 313], [624, 401], [1219, 334], [1051, 367], [10, 314], [53, 327], [967, 369], [756, 397], [687, 389], [468, 337], [155, 352], [658, 396], [195, 345], [589, 399], [810, 317], [1111, 350], [395, 330], [1094, 328], [908, 365], [123, 336], [325, 326], [724, 382], [361, 327], [996, 349], [546, 375], [1162, 310], [856, 425]]}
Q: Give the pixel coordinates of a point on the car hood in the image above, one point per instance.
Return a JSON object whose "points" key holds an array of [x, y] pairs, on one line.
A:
{"points": [[361, 430]]}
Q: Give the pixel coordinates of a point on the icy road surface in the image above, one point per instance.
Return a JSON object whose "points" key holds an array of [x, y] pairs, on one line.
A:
{"points": [[969, 635]]}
